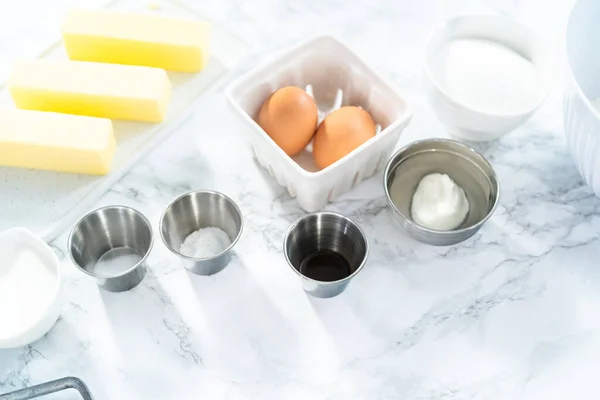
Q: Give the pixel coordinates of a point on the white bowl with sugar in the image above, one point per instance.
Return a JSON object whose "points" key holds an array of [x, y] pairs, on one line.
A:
{"points": [[30, 286], [485, 75]]}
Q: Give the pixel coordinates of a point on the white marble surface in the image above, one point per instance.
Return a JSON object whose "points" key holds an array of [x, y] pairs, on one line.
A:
{"points": [[510, 314]]}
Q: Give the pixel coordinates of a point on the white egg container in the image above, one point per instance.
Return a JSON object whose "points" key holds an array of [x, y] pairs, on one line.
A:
{"points": [[335, 76]]}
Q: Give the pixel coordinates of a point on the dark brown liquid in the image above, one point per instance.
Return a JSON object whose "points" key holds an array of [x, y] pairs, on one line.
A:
{"points": [[325, 266]]}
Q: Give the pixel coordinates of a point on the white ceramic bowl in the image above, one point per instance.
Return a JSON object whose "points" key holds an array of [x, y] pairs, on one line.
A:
{"points": [[335, 76], [466, 122], [581, 118], [13, 243]]}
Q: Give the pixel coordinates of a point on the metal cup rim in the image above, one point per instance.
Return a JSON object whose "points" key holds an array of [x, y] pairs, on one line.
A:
{"points": [[390, 168], [122, 273], [336, 215], [170, 205]]}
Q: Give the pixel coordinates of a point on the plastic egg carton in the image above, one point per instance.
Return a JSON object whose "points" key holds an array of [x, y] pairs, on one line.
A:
{"points": [[330, 72]]}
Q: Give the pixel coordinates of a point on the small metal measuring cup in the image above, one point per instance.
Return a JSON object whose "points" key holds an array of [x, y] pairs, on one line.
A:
{"points": [[326, 250], [195, 210], [111, 244]]}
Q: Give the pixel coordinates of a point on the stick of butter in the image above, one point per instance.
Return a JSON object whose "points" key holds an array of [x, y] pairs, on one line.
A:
{"points": [[58, 142], [137, 39], [93, 89]]}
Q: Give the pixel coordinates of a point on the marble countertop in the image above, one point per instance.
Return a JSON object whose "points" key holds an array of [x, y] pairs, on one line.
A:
{"points": [[509, 314]]}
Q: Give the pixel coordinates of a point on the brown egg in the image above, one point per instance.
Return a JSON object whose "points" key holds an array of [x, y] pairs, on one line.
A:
{"points": [[289, 117], [340, 133]]}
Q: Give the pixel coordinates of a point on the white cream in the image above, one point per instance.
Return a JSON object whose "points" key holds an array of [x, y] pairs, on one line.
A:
{"points": [[439, 203]]}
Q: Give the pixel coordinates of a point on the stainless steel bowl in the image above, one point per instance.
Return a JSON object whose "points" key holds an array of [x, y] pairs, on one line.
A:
{"points": [[200, 209], [469, 169], [111, 244], [340, 245]]}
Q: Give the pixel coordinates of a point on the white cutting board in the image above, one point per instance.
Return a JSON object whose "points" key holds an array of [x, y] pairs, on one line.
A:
{"points": [[48, 202]]}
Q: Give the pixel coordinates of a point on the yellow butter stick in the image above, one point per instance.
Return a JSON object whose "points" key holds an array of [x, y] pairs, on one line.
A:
{"points": [[93, 89], [57, 142], [137, 39]]}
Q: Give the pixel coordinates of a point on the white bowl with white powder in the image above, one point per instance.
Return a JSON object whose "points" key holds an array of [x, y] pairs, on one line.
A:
{"points": [[485, 75], [30, 284]]}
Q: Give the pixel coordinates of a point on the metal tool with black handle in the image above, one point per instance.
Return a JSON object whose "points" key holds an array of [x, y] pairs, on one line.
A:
{"points": [[49, 388]]}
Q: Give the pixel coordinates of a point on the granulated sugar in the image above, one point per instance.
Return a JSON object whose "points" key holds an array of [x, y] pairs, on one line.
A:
{"points": [[27, 287], [205, 242], [487, 76]]}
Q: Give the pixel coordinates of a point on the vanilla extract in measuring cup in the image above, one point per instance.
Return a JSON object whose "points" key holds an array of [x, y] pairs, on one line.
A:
{"points": [[325, 266], [326, 250]]}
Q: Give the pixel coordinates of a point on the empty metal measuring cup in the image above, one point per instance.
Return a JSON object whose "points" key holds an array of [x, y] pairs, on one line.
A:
{"points": [[111, 244], [201, 209], [326, 250]]}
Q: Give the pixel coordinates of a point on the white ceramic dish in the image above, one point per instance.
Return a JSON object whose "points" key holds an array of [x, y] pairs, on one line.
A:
{"points": [[466, 122], [581, 118], [335, 76], [46, 202], [12, 243]]}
